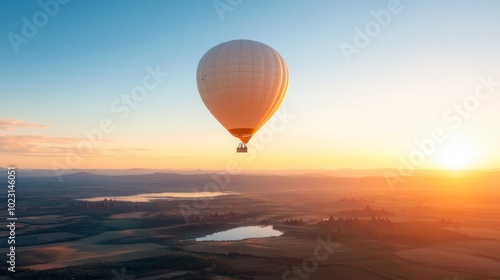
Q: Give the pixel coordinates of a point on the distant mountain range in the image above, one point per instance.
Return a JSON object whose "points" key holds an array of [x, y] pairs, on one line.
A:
{"points": [[342, 172], [91, 183]]}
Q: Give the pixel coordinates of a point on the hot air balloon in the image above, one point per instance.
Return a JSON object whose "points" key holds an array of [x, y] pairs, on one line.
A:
{"points": [[242, 83]]}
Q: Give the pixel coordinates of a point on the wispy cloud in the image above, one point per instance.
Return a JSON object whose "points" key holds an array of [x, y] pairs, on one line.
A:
{"points": [[6, 124], [41, 145], [38, 145]]}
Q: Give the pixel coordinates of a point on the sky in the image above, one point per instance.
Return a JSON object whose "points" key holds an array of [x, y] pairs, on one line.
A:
{"points": [[372, 84]]}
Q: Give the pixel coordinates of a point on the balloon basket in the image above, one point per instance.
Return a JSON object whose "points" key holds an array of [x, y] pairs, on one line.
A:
{"points": [[242, 148]]}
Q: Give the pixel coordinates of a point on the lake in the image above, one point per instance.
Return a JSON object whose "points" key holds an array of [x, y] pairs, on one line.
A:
{"points": [[145, 197], [241, 233]]}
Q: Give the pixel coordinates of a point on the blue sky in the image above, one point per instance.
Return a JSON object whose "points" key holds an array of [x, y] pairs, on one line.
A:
{"points": [[364, 113]]}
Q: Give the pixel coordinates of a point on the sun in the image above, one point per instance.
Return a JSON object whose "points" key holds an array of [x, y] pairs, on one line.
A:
{"points": [[456, 156]]}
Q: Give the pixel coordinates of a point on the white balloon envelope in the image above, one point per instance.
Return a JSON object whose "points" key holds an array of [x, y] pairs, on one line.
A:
{"points": [[242, 83]]}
